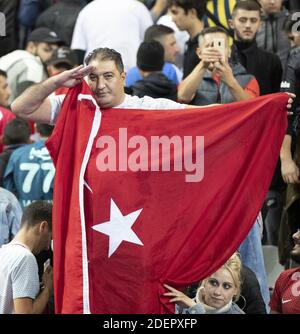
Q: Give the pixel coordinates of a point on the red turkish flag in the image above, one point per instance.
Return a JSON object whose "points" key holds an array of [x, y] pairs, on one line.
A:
{"points": [[120, 235]]}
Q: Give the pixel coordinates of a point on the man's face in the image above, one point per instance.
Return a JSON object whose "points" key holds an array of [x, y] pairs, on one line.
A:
{"points": [[5, 91], [170, 46], [245, 23], [208, 39], [180, 18], [107, 83], [45, 234], [271, 6], [295, 253], [45, 51]]}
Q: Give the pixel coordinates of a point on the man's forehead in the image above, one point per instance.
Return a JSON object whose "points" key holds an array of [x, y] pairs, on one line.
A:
{"points": [[210, 36], [103, 66], [168, 38], [174, 9], [247, 13], [3, 79]]}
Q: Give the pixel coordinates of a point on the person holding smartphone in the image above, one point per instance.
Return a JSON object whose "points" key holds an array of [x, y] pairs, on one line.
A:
{"points": [[216, 78]]}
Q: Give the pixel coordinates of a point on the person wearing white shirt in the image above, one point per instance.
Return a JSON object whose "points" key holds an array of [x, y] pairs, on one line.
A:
{"points": [[119, 25]]}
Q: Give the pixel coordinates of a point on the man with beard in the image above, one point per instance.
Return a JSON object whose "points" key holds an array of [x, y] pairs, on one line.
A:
{"points": [[265, 66], [286, 295], [26, 67]]}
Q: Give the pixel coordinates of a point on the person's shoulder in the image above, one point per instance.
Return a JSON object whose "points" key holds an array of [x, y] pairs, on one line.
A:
{"points": [[132, 76], [239, 69], [7, 60], [294, 56], [147, 102], [290, 272], [266, 54], [138, 5], [286, 275], [6, 113], [6, 195], [235, 309], [20, 151], [275, 60], [17, 254]]}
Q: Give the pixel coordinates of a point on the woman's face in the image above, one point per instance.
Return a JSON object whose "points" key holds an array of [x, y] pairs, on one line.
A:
{"points": [[219, 289]]}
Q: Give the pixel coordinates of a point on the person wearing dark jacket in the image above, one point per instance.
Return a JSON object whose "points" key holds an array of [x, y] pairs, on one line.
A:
{"points": [[150, 61], [251, 300], [265, 66], [271, 36]]}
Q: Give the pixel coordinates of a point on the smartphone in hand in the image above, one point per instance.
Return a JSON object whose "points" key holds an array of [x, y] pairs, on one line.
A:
{"points": [[219, 44]]}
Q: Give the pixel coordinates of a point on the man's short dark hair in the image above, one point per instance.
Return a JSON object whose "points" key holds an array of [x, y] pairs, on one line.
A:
{"points": [[186, 5], [157, 31], [37, 212], [45, 130], [250, 5], [213, 30], [3, 74], [16, 131], [106, 54]]}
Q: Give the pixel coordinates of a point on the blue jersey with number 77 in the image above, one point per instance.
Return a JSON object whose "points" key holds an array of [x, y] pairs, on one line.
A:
{"points": [[30, 173]]}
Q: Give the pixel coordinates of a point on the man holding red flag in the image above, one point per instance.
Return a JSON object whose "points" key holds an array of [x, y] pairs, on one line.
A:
{"points": [[133, 208]]}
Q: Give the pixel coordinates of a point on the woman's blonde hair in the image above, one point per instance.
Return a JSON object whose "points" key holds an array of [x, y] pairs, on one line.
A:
{"points": [[234, 265]]}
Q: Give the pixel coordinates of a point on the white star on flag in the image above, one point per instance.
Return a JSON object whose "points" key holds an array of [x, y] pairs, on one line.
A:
{"points": [[118, 228]]}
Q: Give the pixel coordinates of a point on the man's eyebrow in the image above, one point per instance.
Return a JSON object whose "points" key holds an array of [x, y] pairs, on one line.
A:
{"points": [[101, 73]]}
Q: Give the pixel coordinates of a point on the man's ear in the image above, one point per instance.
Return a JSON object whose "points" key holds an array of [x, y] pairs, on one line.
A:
{"points": [[192, 12], [43, 226], [31, 47], [230, 23]]}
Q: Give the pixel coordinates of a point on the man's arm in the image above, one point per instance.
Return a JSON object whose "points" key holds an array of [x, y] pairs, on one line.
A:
{"points": [[224, 71], [34, 105], [188, 87], [30, 306], [37, 306], [158, 9], [289, 169]]}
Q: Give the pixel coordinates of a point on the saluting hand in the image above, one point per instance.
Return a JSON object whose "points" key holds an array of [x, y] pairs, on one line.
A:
{"points": [[72, 77]]}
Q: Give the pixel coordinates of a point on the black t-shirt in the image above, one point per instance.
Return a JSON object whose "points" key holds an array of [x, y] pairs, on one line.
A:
{"points": [[190, 59]]}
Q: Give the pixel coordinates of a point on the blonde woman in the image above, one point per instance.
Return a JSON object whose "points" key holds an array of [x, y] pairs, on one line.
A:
{"points": [[216, 294]]}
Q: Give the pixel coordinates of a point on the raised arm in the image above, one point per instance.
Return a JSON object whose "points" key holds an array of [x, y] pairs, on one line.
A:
{"points": [[33, 104], [189, 86]]}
